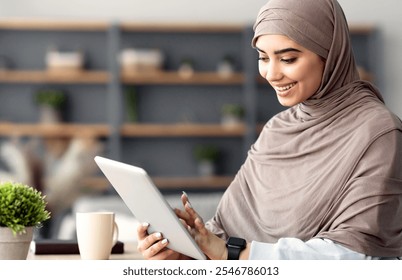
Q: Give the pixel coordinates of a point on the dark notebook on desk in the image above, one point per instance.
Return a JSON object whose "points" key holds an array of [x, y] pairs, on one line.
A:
{"points": [[64, 247]]}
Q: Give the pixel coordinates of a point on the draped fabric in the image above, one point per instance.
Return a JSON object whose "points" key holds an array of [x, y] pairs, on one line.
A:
{"points": [[330, 167]]}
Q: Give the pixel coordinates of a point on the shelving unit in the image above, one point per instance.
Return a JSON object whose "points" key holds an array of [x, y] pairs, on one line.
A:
{"points": [[49, 130], [176, 113], [173, 78], [54, 77], [182, 130]]}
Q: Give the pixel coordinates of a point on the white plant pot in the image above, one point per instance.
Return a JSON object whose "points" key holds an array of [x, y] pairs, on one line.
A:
{"points": [[15, 247], [225, 69], [231, 120], [186, 71], [49, 115], [206, 168]]}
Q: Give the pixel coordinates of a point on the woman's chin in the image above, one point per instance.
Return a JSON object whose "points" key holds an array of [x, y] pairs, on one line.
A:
{"points": [[286, 102]]}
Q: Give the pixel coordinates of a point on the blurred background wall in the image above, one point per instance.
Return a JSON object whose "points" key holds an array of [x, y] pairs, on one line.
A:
{"points": [[384, 14]]}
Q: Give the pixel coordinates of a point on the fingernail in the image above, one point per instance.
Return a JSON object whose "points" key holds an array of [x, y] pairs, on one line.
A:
{"points": [[158, 235], [164, 241], [145, 224], [185, 193]]}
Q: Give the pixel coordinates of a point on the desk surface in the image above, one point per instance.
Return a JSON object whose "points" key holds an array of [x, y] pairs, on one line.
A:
{"points": [[130, 253]]}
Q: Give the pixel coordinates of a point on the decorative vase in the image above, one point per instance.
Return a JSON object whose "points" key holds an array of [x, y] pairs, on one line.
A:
{"points": [[186, 70], [225, 69], [229, 120], [206, 168], [15, 247], [49, 115]]}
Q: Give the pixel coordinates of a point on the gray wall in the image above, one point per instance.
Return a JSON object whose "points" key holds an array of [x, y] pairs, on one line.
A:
{"points": [[384, 14]]}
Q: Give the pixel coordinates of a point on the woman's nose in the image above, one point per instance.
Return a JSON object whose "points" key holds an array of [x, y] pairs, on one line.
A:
{"points": [[273, 72]]}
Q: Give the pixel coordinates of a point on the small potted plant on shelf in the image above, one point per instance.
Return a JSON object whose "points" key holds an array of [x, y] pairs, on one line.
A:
{"points": [[225, 67], [51, 102], [186, 68], [232, 114], [206, 156], [131, 104], [22, 208]]}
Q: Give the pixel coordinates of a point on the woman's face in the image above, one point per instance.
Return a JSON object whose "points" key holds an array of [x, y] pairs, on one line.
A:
{"points": [[292, 70]]}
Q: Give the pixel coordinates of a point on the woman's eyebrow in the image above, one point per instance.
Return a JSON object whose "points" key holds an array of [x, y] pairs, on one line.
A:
{"points": [[286, 50], [281, 51]]}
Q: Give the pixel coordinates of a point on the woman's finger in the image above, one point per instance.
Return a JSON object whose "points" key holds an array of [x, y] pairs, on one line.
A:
{"points": [[190, 210], [182, 214], [147, 242], [200, 226], [156, 249], [184, 198], [142, 230]]}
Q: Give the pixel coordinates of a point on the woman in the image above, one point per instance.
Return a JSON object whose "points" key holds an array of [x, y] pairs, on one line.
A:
{"points": [[324, 178]]}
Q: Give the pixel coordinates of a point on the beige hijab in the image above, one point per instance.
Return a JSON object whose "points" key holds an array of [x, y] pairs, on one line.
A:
{"points": [[330, 167]]}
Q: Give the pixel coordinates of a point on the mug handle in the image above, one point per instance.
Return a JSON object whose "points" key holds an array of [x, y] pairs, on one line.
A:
{"points": [[115, 233]]}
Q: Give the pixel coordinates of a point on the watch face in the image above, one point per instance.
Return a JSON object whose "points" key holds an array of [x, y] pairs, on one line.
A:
{"points": [[236, 242]]}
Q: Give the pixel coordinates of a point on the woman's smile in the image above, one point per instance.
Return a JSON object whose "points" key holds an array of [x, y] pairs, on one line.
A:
{"points": [[284, 90]]}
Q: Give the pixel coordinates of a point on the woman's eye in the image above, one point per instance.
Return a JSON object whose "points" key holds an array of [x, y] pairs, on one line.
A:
{"points": [[263, 59], [289, 60]]}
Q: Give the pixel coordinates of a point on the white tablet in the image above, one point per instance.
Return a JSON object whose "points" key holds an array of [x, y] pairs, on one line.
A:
{"points": [[147, 204]]}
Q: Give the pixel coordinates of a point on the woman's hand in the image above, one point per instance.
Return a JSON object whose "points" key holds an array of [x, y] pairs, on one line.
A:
{"points": [[212, 246], [153, 246]]}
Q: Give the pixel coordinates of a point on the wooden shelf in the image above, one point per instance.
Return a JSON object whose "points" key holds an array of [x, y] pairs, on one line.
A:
{"points": [[102, 77], [54, 130], [193, 182], [181, 130], [52, 24], [127, 130], [362, 29], [54, 77], [180, 27], [162, 77], [93, 25], [166, 183]]}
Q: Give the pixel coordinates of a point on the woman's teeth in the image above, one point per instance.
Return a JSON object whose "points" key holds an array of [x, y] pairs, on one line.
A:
{"points": [[286, 87]]}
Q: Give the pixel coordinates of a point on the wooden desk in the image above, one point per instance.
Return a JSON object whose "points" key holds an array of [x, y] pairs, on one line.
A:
{"points": [[130, 253]]}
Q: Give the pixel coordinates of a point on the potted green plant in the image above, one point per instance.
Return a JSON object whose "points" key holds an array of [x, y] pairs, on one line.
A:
{"points": [[206, 156], [186, 68], [51, 102], [22, 208], [225, 67], [232, 114], [132, 104]]}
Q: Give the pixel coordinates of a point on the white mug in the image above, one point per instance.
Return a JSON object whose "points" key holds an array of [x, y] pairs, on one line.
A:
{"points": [[97, 233]]}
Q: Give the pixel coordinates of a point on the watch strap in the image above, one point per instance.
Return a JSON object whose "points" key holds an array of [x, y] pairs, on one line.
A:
{"points": [[233, 253], [234, 246]]}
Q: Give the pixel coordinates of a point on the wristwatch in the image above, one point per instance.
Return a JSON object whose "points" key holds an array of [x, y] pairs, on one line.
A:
{"points": [[235, 245]]}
